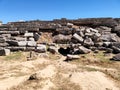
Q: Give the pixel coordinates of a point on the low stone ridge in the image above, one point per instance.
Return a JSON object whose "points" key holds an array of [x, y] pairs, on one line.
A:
{"points": [[81, 35]]}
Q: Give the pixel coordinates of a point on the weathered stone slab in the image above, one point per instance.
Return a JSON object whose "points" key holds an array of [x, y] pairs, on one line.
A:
{"points": [[116, 44], [72, 57], [62, 39], [88, 42], [30, 48], [31, 39], [81, 34], [115, 49], [17, 43], [84, 50], [89, 34], [2, 40], [12, 29], [22, 43], [19, 38], [41, 48], [116, 29], [64, 31], [36, 36], [28, 34], [31, 43], [77, 37], [116, 57], [10, 32], [106, 44], [12, 42], [53, 49], [93, 30], [3, 29], [16, 48], [4, 44], [6, 35], [87, 30], [97, 35], [4, 52], [70, 24], [110, 38]]}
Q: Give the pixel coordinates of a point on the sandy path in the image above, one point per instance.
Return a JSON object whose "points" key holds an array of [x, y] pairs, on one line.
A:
{"points": [[12, 81], [47, 71], [93, 81], [18, 72]]}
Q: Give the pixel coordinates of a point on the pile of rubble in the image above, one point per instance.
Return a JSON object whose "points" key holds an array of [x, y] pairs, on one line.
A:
{"points": [[81, 36], [83, 39], [88, 38], [13, 39]]}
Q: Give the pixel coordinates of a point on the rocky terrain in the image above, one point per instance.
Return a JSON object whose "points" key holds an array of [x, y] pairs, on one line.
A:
{"points": [[62, 54], [51, 72], [86, 34]]}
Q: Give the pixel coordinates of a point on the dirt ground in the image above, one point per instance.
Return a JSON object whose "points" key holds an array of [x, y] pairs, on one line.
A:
{"points": [[51, 72]]}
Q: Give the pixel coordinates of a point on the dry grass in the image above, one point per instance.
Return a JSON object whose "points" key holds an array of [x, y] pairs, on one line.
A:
{"points": [[64, 83], [102, 60], [28, 85], [83, 68], [53, 56], [115, 74], [15, 56], [61, 82], [99, 59]]}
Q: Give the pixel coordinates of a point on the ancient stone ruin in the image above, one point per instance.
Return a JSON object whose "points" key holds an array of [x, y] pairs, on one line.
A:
{"points": [[73, 37]]}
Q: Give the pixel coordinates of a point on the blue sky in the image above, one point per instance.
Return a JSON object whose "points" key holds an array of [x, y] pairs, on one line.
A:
{"points": [[14, 10]]}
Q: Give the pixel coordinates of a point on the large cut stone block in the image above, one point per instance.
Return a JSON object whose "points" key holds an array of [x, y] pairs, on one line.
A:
{"points": [[4, 52]]}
